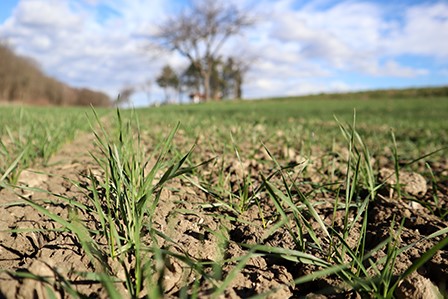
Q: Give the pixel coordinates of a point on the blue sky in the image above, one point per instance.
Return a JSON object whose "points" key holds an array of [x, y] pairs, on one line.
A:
{"points": [[297, 47]]}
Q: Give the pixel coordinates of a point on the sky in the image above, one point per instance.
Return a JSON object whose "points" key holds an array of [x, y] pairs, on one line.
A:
{"points": [[296, 47]]}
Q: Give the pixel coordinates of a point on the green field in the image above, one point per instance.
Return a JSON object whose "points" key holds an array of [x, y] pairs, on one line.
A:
{"points": [[417, 122], [30, 135], [280, 197]]}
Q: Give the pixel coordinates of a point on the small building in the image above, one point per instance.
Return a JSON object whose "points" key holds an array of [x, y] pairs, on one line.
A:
{"points": [[197, 97]]}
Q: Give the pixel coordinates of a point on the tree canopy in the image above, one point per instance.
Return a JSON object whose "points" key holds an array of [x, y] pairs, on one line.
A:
{"points": [[200, 33], [167, 80]]}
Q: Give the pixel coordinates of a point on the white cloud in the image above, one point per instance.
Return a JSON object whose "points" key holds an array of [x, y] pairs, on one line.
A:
{"points": [[296, 47], [350, 36], [393, 69], [424, 32], [349, 29], [338, 35], [270, 87], [47, 15], [69, 42]]}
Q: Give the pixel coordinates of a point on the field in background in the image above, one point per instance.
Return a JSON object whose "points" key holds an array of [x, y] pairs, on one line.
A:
{"points": [[30, 135], [418, 123], [279, 197]]}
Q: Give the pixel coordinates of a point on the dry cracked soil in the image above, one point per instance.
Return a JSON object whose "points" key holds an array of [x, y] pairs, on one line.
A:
{"points": [[200, 227]]}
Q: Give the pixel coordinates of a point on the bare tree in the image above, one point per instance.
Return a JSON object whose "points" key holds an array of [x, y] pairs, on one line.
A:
{"points": [[146, 87], [124, 97], [200, 33]]}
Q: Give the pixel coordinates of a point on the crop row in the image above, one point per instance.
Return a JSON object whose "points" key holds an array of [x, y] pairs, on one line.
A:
{"points": [[32, 135]]}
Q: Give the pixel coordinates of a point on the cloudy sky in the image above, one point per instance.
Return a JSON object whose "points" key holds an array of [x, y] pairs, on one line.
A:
{"points": [[297, 47]]}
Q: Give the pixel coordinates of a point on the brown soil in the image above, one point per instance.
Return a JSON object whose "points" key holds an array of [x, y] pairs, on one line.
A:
{"points": [[206, 235]]}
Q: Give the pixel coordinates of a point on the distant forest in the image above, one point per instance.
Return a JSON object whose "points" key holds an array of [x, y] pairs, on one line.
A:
{"points": [[22, 81]]}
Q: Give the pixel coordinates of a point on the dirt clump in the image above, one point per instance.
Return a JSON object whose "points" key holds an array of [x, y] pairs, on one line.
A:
{"points": [[411, 182]]}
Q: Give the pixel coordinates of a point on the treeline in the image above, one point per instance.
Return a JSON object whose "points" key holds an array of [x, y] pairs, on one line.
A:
{"points": [[225, 81], [22, 81], [404, 93], [421, 92]]}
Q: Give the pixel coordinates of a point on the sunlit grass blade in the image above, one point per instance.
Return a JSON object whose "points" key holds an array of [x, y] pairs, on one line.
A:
{"points": [[417, 264]]}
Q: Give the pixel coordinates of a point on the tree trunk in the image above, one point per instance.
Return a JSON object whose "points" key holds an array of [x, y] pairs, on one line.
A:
{"points": [[165, 91], [207, 75], [238, 88]]}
